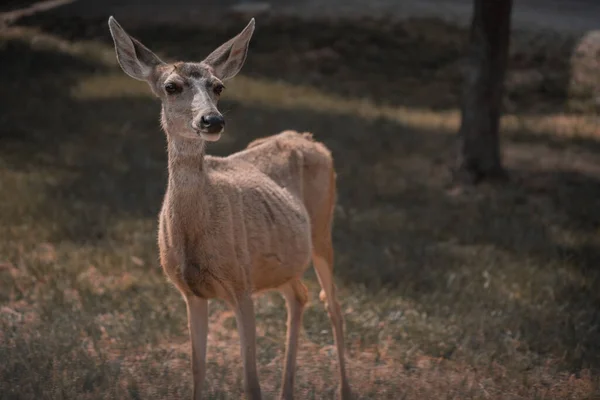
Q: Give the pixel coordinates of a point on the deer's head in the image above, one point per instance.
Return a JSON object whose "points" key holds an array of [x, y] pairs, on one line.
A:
{"points": [[189, 91]]}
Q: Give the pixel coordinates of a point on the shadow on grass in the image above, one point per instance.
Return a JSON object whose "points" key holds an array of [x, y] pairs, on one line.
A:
{"points": [[416, 62], [97, 150]]}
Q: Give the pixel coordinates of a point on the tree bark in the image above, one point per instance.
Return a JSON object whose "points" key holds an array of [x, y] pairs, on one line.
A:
{"points": [[479, 156]]}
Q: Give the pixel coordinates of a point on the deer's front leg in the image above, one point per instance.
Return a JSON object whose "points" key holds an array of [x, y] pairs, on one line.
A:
{"points": [[197, 310], [296, 297], [244, 313]]}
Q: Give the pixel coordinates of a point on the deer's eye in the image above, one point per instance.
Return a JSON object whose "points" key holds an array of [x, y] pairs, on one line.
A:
{"points": [[172, 88], [218, 89]]}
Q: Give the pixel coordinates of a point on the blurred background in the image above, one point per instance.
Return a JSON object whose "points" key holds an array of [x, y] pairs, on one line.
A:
{"points": [[458, 291]]}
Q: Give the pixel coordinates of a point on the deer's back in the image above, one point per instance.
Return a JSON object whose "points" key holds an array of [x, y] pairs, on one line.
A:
{"points": [[313, 173]]}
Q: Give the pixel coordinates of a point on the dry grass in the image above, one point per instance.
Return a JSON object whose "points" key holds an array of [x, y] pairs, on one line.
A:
{"points": [[485, 294]]}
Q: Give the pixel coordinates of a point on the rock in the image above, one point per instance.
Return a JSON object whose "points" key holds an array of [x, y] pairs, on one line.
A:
{"points": [[584, 85]]}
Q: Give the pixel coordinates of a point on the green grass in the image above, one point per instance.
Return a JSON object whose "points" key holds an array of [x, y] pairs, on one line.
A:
{"points": [[491, 292]]}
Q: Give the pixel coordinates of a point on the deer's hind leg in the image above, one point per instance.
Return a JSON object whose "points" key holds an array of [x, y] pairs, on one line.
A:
{"points": [[323, 264], [296, 297]]}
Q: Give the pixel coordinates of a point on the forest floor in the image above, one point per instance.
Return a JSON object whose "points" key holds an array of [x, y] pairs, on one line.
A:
{"points": [[489, 293]]}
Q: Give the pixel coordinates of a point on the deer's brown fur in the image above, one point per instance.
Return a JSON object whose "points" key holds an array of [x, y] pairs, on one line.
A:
{"points": [[247, 222], [234, 226]]}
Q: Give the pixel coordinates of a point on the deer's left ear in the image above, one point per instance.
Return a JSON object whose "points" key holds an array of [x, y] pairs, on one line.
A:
{"points": [[227, 60]]}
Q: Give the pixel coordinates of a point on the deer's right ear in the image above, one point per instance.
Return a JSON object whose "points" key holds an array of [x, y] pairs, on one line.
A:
{"points": [[136, 59]]}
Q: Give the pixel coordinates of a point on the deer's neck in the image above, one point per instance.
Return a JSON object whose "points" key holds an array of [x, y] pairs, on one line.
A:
{"points": [[185, 213], [186, 157], [187, 183]]}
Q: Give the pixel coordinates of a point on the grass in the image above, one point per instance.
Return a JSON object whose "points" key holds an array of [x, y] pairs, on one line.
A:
{"points": [[476, 294]]}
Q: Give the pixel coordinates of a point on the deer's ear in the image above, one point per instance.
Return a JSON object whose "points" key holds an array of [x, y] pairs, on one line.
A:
{"points": [[136, 59], [228, 59]]}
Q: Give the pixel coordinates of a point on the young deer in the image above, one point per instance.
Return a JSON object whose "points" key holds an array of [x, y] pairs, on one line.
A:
{"points": [[230, 227]]}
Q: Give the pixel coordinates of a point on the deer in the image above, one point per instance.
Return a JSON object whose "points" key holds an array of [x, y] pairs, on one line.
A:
{"points": [[232, 227]]}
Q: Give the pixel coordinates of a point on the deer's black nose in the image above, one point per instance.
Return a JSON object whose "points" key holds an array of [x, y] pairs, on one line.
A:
{"points": [[212, 123]]}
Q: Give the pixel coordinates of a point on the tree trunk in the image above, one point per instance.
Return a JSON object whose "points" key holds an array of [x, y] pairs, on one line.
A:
{"points": [[479, 148]]}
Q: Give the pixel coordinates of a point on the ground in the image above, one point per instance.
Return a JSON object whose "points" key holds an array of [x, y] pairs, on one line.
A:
{"points": [[486, 293]]}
